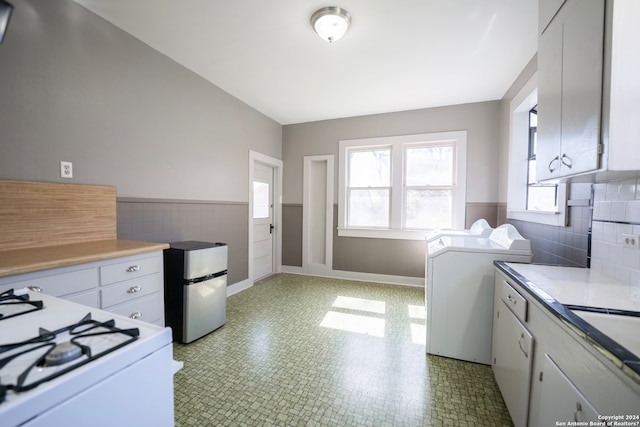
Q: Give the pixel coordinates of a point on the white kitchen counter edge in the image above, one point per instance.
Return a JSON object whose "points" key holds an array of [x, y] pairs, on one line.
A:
{"points": [[537, 280]]}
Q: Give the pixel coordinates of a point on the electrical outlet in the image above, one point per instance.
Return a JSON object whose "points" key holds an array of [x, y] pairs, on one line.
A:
{"points": [[630, 241], [66, 170]]}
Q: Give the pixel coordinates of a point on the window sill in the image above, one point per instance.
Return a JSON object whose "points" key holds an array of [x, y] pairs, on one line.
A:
{"points": [[372, 233], [541, 217]]}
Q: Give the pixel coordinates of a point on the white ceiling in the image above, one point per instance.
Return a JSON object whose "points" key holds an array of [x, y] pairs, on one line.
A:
{"points": [[397, 55]]}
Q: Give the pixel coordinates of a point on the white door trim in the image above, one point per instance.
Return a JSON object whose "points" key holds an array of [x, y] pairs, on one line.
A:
{"points": [[276, 164], [307, 206]]}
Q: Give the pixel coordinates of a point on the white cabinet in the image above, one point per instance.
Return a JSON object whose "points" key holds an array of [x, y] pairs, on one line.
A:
{"points": [[621, 101], [512, 352], [547, 9], [77, 283], [570, 61], [132, 286], [561, 400], [559, 377], [588, 90]]}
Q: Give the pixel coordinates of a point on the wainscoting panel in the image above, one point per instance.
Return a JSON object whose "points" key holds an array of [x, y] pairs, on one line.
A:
{"points": [[153, 220]]}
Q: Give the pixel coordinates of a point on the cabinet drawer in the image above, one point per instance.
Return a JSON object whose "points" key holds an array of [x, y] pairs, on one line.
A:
{"points": [[516, 302], [149, 308], [59, 285], [130, 290], [85, 298], [130, 269]]}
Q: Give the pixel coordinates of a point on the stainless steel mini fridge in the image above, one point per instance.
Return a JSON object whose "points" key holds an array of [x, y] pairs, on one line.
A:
{"points": [[195, 288]]}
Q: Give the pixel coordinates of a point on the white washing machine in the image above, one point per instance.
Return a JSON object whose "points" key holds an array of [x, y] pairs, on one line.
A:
{"points": [[459, 282], [480, 228]]}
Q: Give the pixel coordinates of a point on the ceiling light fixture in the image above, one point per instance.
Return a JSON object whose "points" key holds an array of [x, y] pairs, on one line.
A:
{"points": [[5, 14], [330, 22]]}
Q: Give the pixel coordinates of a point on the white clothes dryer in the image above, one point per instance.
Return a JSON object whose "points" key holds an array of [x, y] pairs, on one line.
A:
{"points": [[459, 283], [480, 228]]}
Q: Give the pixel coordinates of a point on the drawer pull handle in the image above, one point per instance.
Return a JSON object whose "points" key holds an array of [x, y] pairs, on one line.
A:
{"points": [[134, 289], [133, 268], [34, 288], [135, 315], [511, 299], [526, 354]]}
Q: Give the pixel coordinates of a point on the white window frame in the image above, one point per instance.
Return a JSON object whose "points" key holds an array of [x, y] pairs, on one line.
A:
{"points": [[517, 184], [396, 230]]}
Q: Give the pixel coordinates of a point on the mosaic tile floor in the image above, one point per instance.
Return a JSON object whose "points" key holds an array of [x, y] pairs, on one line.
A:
{"points": [[308, 351]]}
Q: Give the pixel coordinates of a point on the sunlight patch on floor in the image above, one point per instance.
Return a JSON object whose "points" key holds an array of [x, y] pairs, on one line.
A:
{"points": [[360, 304], [354, 323], [417, 312], [418, 334]]}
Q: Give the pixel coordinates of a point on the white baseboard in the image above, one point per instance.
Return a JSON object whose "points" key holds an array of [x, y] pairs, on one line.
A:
{"points": [[238, 287], [361, 277], [337, 274]]}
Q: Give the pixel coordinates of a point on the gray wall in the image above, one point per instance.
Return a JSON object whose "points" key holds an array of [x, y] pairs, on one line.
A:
{"points": [[480, 120], [384, 256], [76, 88]]}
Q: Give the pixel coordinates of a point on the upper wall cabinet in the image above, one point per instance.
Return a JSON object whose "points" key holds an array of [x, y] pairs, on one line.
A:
{"points": [[547, 9], [621, 104], [570, 57], [588, 90]]}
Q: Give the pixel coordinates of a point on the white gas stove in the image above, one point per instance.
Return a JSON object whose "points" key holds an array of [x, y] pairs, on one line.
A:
{"points": [[62, 363]]}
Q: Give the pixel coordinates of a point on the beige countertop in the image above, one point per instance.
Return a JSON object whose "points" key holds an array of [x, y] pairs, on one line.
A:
{"points": [[17, 261]]}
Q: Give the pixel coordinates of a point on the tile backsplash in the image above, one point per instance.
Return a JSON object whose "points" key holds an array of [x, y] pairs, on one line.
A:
{"points": [[568, 246], [616, 212]]}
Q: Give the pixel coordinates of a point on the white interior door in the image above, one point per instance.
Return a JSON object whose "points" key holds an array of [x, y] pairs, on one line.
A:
{"points": [[263, 224], [317, 212]]}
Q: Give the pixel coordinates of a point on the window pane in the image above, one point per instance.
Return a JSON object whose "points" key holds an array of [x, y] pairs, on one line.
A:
{"points": [[260, 199], [533, 117], [428, 209], [429, 166], [371, 168], [541, 198], [369, 208], [532, 172]]}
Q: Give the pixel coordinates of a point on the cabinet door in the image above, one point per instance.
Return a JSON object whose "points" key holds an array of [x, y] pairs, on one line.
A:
{"points": [[561, 400], [570, 60], [547, 9], [582, 61], [549, 102], [624, 112], [512, 358]]}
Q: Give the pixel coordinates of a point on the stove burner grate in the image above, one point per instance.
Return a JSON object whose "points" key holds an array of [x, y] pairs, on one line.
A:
{"points": [[12, 305], [41, 358]]}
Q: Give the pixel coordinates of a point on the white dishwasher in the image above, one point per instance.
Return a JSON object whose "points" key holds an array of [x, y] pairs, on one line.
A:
{"points": [[459, 282]]}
